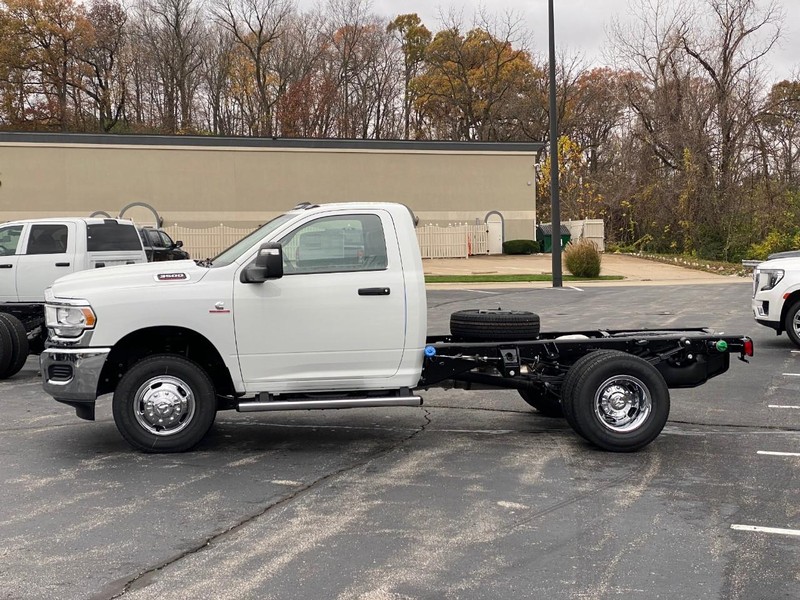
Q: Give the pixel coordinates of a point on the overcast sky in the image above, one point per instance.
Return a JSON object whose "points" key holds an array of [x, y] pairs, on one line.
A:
{"points": [[581, 24]]}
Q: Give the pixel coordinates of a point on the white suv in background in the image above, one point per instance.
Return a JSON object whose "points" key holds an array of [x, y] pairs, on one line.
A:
{"points": [[776, 296]]}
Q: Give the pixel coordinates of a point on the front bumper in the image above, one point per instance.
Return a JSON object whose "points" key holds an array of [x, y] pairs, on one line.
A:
{"points": [[71, 375], [766, 310]]}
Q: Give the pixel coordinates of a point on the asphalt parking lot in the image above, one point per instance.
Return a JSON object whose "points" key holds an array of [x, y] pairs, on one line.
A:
{"points": [[471, 496]]}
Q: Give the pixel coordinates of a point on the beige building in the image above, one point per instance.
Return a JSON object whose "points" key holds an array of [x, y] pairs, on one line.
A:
{"points": [[201, 182]]}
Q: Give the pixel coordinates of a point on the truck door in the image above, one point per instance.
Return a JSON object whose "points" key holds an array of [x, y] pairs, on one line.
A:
{"points": [[336, 318], [9, 244], [49, 254]]}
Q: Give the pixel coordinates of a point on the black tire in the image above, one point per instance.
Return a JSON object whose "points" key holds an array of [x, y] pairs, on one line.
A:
{"points": [[791, 323], [187, 404], [494, 324], [607, 377], [575, 372], [19, 344], [545, 404], [36, 345], [7, 349]]}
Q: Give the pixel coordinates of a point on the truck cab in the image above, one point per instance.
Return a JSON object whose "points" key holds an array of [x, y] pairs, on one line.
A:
{"points": [[342, 311], [36, 252]]}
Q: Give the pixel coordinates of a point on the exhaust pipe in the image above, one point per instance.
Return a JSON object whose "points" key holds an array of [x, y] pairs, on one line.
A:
{"points": [[275, 405]]}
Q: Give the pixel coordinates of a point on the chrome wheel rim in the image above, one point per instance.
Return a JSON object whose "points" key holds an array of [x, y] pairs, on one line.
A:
{"points": [[622, 403], [164, 405], [796, 323]]}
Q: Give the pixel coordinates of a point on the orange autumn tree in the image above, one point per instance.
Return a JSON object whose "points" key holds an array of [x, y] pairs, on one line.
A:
{"points": [[578, 196], [469, 84]]}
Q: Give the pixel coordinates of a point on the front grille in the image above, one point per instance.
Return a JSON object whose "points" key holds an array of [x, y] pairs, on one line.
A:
{"points": [[59, 372]]}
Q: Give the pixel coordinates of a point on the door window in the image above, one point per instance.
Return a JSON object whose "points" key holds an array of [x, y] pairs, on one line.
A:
{"points": [[166, 240], [47, 239], [155, 239], [9, 239], [333, 244]]}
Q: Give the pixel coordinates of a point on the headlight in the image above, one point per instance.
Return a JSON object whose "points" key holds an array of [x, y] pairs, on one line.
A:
{"points": [[69, 321], [766, 279]]}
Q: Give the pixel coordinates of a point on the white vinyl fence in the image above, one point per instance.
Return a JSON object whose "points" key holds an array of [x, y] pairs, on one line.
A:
{"points": [[589, 229], [206, 243], [454, 241]]}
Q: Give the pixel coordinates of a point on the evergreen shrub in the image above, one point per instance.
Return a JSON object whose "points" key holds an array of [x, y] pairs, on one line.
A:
{"points": [[520, 247]]}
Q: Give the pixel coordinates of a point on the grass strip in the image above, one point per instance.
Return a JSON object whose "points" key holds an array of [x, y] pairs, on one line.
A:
{"points": [[498, 278]]}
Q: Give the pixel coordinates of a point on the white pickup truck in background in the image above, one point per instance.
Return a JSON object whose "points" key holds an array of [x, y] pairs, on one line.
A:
{"points": [[36, 252], [776, 295], [325, 307]]}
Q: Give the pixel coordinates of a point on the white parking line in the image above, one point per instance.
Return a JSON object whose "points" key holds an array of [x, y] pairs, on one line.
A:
{"points": [[778, 453], [777, 530], [791, 374], [783, 406]]}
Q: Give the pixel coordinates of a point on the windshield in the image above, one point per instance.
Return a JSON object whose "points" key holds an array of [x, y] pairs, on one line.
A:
{"points": [[226, 257]]}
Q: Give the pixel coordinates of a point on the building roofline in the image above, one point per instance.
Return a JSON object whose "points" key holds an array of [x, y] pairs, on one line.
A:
{"points": [[257, 142]]}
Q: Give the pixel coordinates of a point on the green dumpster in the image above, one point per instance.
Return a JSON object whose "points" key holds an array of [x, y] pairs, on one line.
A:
{"points": [[544, 235]]}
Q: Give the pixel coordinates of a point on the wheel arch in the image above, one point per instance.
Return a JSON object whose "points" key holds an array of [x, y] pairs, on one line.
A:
{"points": [[167, 339], [788, 302]]}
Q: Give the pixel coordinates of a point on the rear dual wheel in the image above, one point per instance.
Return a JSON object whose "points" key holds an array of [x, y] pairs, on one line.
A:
{"points": [[617, 401], [13, 345], [545, 404]]}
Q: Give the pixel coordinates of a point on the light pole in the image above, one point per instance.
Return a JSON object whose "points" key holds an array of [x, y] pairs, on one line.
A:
{"points": [[554, 203]]}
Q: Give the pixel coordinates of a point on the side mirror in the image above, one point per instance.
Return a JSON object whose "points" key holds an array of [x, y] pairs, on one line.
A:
{"points": [[267, 265], [179, 244]]}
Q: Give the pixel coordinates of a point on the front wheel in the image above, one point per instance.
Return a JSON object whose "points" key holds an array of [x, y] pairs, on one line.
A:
{"points": [[791, 323], [164, 403], [617, 401]]}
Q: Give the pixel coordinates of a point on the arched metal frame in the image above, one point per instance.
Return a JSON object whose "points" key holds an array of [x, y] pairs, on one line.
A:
{"points": [[158, 220]]}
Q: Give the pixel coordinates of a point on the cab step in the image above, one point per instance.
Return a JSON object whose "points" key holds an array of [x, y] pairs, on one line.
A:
{"points": [[260, 405]]}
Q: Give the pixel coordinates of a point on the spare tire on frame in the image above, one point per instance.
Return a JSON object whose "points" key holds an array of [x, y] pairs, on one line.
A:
{"points": [[487, 325]]}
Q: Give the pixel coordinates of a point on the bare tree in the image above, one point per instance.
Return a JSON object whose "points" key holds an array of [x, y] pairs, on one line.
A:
{"points": [[172, 30], [257, 25], [218, 56], [106, 80], [414, 38]]}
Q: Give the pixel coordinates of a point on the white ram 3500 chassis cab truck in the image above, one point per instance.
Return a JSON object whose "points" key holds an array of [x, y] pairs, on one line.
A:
{"points": [[325, 307]]}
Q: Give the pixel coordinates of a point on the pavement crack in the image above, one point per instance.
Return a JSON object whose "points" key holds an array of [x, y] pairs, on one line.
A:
{"points": [[574, 499], [48, 427], [779, 428], [144, 576]]}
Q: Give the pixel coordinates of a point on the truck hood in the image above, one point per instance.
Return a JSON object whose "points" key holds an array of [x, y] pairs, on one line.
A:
{"points": [[80, 284], [786, 263]]}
